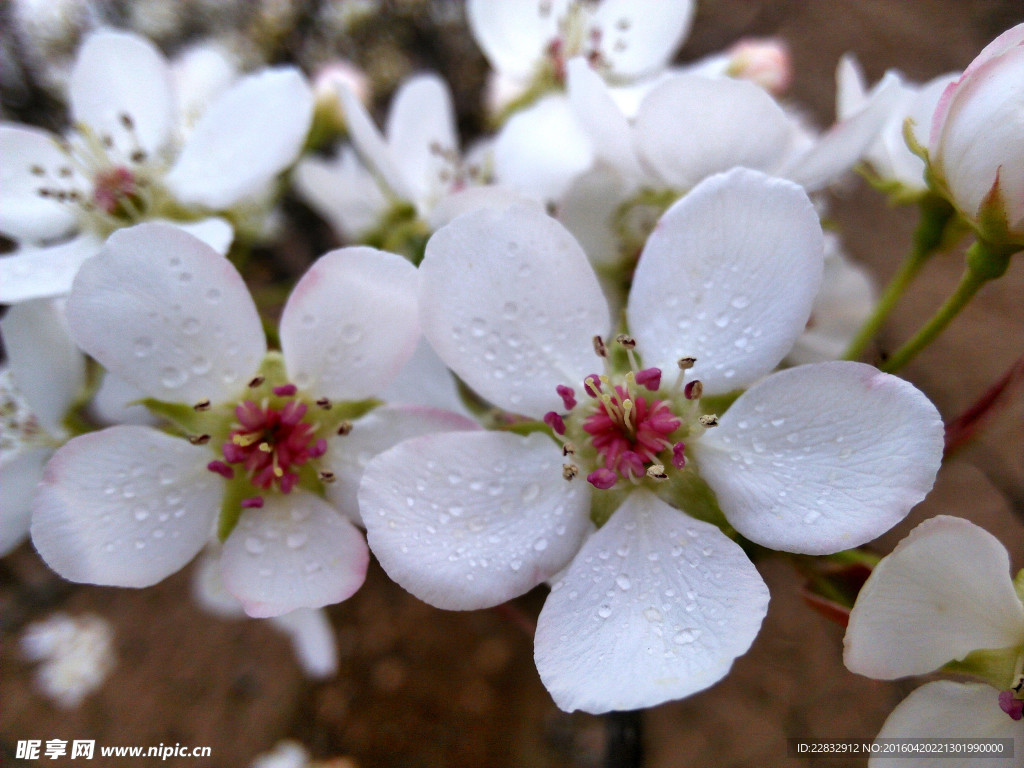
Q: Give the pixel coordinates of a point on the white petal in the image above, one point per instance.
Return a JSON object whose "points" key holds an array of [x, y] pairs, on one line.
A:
{"points": [[295, 552], [117, 402], [371, 146], [124, 507], [425, 380], [654, 607], [200, 73], [18, 480], [728, 276], [942, 593], [421, 132], [514, 33], [510, 303], [117, 74], [45, 364], [250, 134], [168, 314], [214, 231], [343, 192], [588, 211], [379, 430], [726, 122], [24, 214], [821, 458], [312, 640], [948, 710], [449, 207], [601, 119], [208, 587], [350, 324], [541, 149], [39, 273], [639, 37], [468, 520]]}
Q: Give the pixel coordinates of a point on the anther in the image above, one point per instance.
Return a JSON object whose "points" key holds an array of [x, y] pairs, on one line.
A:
{"points": [[649, 378], [555, 421], [285, 390], [199, 439], [64, 172], [591, 385], [568, 396], [627, 341], [686, 363], [265, 447], [657, 472], [599, 348], [324, 403], [344, 428], [326, 477], [202, 405], [709, 420], [257, 381], [221, 469], [254, 502], [568, 449], [693, 390], [126, 121], [138, 156], [678, 455], [37, 170], [569, 471]]}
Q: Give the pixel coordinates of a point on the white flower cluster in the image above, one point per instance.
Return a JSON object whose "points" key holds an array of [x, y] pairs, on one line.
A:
{"points": [[622, 279]]}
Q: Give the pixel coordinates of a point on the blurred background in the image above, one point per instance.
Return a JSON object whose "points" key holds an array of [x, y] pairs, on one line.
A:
{"points": [[418, 686]]}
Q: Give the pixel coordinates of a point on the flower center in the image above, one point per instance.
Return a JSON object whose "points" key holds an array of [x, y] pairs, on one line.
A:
{"points": [[629, 427]]}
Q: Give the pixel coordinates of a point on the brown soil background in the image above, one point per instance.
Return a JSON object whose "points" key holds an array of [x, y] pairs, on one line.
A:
{"points": [[421, 687]]}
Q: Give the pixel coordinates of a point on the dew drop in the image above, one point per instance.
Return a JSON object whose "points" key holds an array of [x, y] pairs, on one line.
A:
{"points": [[254, 545], [604, 611], [652, 614], [190, 326], [811, 516], [351, 333], [623, 582], [172, 377], [296, 540], [142, 346], [740, 302], [540, 544], [530, 492], [686, 636], [140, 514], [515, 565]]}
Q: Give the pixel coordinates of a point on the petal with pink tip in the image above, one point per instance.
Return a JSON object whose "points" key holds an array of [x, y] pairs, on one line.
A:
{"points": [[124, 507], [468, 520], [297, 551], [168, 314], [656, 606]]}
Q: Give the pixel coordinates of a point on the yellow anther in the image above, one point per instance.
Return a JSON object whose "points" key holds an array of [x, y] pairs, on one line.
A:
{"points": [[245, 440], [265, 447]]}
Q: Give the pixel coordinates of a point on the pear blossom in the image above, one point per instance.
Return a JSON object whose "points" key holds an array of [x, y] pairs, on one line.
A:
{"points": [[976, 134], [129, 505], [123, 163], [75, 655], [658, 602], [944, 597]]}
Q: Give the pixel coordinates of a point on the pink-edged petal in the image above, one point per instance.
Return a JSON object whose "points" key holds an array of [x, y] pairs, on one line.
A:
{"points": [[43, 272], [117, 74], [943, 592], [601, 119], [382, 428], [468, 520], [639, 37], [421, 132], [823, 457], [124, 507], [726, 122], [841, 146], [510, 303], [24, 213], [654, 607], [312, 639], [541, 149], [297, 551], [19, 478], [728, 276], [47, 367], [251, 133], [954, 711], [371, 147], [167, 313], [514, 33], [351, 323]]}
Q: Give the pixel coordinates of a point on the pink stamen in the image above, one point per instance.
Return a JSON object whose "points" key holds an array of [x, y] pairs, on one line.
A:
{"points": [[221, 469], [568, 396], [255, 502], [111, 186], [1011, 705], [602, 478], [592, 385], [678, 459], [650, 378], [555, 421], [285, 390]]}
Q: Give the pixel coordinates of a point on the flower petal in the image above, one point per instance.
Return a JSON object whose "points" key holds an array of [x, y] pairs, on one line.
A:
{"points": [[654, 607], [47, 367], [421, 133], [312, 640], [425, 380], [510, 303], [214, 231], [124, 507], [18, 480], [296, 551], [168, 314], [370, 145], [948, 710], [822, 457], [117, 402], [601, 119], [24, 213], [41, 273], [943, 592], [117, 74], [251, 133], [468, 520], [382, 428], [640, 37], [727, 123], [513, 34], [728, 276], [343, 192], [350, 324]]}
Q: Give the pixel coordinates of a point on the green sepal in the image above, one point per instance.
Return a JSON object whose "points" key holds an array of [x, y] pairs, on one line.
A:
{"points": [[604, 503], [987, 261], [995, 666], [686, 490], [1018, 585], [235, 490], [526, 427], [400, 231], [719, 404], [349, 410], [186, 417]]}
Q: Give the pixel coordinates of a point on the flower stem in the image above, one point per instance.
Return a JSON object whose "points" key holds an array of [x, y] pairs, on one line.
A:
{"points": [[931, 235], [984, 263], [625, 747]]}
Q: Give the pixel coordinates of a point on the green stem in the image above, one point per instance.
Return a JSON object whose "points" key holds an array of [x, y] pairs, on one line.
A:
{"points": [[983, 264], [930, 236]]}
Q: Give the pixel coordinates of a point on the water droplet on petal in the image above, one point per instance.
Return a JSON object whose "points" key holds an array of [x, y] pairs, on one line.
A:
{"points": [[604, 611], [254, 546]]}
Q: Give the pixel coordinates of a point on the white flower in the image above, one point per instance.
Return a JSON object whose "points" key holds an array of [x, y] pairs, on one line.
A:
{"points": [[76, 655], [121, 163], [974, 149], [129, 505], [944, 596], [656, 604]]}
